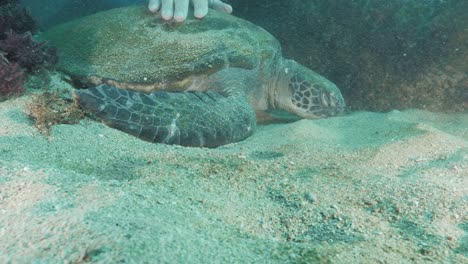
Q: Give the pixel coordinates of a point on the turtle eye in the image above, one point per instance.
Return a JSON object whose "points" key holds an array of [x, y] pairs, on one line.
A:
{"points": [[325, 99]]}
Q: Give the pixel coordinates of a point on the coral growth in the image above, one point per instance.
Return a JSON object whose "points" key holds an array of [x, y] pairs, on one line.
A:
{"points": [[11, 78], [23, 49], [49, 109]]}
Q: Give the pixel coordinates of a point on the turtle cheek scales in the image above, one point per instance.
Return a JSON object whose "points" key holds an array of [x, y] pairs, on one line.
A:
{"points": [[314, 100], [189, 119]]}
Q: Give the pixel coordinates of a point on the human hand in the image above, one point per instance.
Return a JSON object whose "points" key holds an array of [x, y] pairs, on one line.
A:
{"points": [[178, 9]]}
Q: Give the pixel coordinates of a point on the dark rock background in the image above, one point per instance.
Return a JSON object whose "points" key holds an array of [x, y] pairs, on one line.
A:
{"points": [[382, 54]]}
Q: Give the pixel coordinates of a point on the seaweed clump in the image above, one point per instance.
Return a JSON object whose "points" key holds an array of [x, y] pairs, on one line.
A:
{"points": [[48, 109], [11, 78], [20, 53], [27, 52]]}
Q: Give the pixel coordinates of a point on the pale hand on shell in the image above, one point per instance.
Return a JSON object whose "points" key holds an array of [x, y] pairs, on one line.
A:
{"points": [[178, 9]]}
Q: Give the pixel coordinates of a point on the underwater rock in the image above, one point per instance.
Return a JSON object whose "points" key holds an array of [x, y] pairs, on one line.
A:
{"points": [[384, 55]]}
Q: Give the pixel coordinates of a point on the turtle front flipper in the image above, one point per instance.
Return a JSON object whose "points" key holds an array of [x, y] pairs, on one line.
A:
{"points": [[199, 119]]}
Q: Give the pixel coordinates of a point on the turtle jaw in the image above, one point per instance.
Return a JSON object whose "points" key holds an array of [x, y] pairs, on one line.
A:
{"points": [[307, 94]]}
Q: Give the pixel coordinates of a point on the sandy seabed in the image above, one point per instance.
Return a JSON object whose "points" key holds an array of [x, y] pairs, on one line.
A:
{"points": [[362, 188]]}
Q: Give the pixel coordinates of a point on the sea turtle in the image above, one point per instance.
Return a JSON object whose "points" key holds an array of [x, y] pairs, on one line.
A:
{"points": [[201, 83]]}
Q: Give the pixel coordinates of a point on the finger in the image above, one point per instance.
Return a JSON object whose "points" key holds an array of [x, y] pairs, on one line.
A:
{"points": [[201, 8], [154, 5], [181, 10], [220, 6], [167, 9]]}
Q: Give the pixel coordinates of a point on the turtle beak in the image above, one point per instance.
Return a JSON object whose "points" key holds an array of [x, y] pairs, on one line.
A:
{"points": [[332, 105]]}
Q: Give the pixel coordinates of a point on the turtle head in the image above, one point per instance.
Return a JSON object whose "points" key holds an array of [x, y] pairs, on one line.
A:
{"points": [[306, 93]]}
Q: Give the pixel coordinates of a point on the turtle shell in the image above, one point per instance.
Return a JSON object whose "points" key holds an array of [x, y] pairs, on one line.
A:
{"points": [[132, 48]]}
